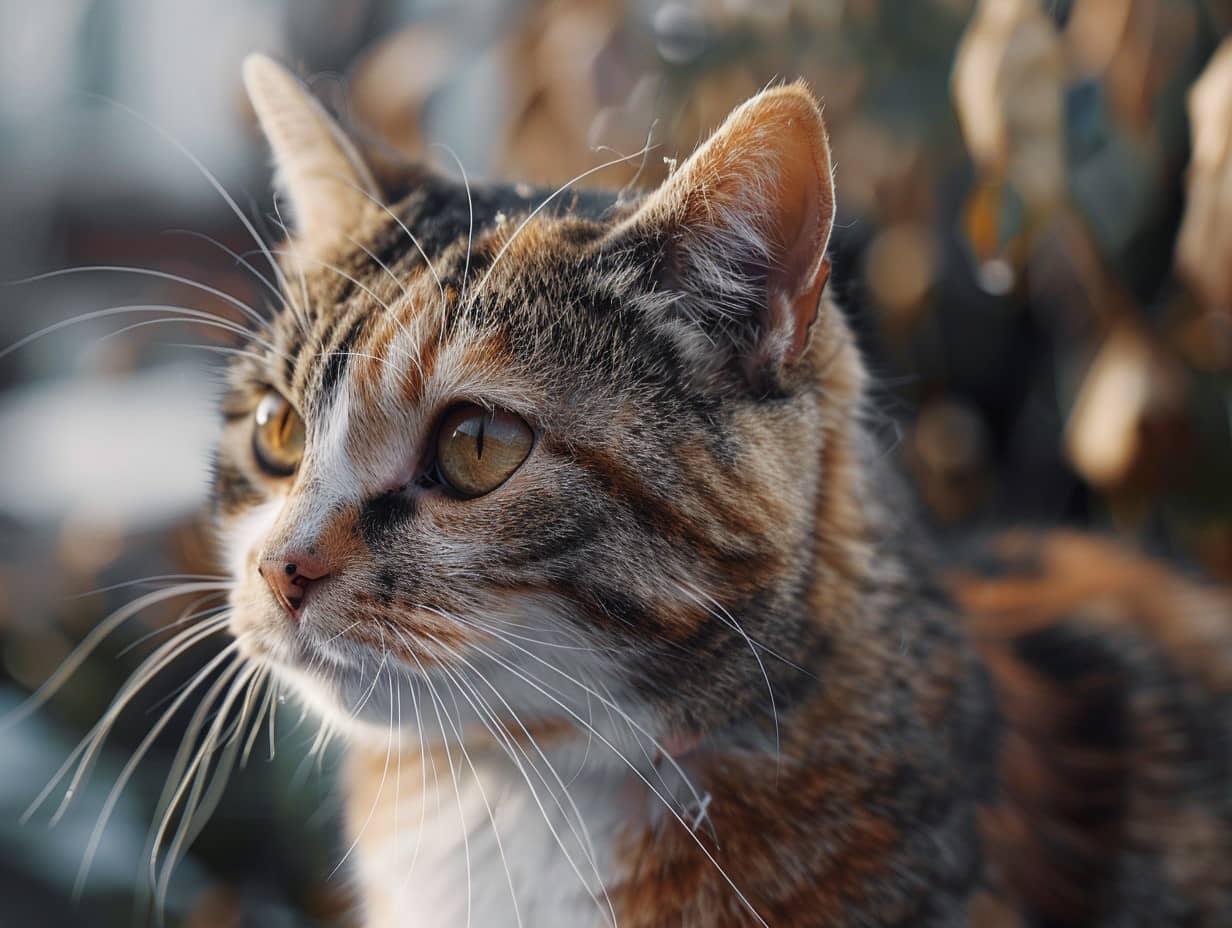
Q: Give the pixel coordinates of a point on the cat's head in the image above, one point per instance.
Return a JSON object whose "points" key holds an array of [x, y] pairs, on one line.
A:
{"points": [[535, 451]]}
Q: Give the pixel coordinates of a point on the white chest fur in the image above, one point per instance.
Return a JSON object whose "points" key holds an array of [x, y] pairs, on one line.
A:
{"points": [[453, 839]]}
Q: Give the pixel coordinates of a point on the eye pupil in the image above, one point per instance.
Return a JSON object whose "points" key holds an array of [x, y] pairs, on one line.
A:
{"points": [[478, 450], [285, 427]]}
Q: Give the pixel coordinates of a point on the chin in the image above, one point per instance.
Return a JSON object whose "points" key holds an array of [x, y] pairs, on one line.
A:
{"points": [[350, 693], [359, 692], [381, 701]]}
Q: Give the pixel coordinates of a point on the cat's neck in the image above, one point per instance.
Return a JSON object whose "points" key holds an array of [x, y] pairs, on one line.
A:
{"points": [[887, 730]]}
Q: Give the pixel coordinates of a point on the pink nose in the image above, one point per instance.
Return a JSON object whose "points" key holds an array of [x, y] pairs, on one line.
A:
{"points": [[290, 574]]}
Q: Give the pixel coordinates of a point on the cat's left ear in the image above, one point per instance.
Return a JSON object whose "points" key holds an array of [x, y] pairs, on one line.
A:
{"points": [[329, 187], [744, 225]]}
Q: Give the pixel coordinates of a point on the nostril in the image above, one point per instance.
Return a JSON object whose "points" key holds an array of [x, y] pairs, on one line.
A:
{"points": [[308, 567], [289, 580]]}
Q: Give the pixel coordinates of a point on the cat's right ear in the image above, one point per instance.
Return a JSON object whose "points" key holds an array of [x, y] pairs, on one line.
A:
{"points": [[742, 229], [329, 188]]}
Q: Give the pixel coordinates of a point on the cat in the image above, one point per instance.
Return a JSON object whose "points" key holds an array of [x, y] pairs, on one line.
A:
{"points": [[564, 509]]}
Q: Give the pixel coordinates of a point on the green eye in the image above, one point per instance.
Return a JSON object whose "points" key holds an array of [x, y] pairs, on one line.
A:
{"points": [[277, 436], [477, 450]]}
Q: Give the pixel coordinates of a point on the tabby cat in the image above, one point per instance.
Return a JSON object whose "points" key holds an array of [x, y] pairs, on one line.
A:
{"points": [[563, 508]]}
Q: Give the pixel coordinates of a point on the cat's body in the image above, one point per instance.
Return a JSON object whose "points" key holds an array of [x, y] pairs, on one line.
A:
{"points": [[676, 652], [1108, 805]]}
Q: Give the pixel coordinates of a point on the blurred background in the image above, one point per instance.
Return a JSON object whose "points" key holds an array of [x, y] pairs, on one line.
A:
{"points": [[1034, 244]]}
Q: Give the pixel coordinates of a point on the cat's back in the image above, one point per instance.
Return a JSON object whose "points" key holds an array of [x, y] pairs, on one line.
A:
{"points": [[1114, 674]]}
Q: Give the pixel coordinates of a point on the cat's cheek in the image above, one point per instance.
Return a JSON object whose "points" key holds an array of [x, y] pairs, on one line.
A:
{"points": [[243, 537], [247, 614]]}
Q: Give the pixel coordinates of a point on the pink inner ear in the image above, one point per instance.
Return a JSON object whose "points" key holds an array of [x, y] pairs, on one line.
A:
{"points": [[758, 190], [801, 213], [766, 171]]}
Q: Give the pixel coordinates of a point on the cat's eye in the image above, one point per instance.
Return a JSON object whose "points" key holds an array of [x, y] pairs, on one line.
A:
{"points": [[478, 449], [277, 435]]}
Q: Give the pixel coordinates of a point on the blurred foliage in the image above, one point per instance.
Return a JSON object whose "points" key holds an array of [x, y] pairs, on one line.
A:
{"points": [[1033, 246], [1050, 340]]}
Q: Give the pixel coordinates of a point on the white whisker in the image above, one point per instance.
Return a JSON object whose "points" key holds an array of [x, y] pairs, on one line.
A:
{"points": [[470, 219], [572, 815], [78, 655], [389, 746], [261, 321], [636, 772], [543, 205], [183, 314], [302, 311], [241, 675], [135, 759], [730, 620], [210, 178]]}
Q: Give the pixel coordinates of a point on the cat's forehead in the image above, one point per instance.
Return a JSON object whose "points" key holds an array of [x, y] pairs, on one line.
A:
{"points": [[494, 295], [478, 256]]}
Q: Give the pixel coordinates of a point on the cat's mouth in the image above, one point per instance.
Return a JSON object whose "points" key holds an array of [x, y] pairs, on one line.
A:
{"points": [[368, 673], [332, 637]]}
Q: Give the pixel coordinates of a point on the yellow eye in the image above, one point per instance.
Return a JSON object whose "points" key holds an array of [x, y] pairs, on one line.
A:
{"points": [[477, 450], [277, 436]]}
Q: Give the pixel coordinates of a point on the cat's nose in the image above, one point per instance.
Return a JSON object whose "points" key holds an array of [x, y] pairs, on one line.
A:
{"points": [[290, 574]]}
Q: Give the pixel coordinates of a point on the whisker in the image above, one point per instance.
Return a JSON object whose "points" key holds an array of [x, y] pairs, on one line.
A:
{"points": [[410, 235], [222, 349], [201, 806], [137, 756], [470, 210], [543, 205], [155, 578], [302, 312], [273, 716], [483, 795], [176, 775], [572, 815], [241, 675], [332, 638], [646, 149], [368, 695], [730, 620], [190, 614], [389, 746], [224, 327], [389, 312], [213, 181], [423, 779], [396, 700], [201, 317], [437, 706], [239, 259], [84, 753], [261, 321], [578, 683], [78, 655], [329, 266], [511, 748], [255, 731], [638, 773]]}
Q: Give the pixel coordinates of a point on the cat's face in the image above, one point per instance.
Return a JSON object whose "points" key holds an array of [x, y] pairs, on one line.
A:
{"points": [[539, 461]]}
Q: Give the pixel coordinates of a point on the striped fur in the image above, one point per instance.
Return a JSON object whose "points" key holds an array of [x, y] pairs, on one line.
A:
{"points": [[698, 629]]}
